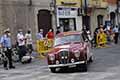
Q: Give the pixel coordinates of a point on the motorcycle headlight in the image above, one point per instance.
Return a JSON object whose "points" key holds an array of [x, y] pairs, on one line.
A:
{"points": [[77, 54], [52, 57]]}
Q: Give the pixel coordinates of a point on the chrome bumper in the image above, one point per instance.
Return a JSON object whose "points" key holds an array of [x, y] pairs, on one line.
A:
{"points": [[63, 65]]}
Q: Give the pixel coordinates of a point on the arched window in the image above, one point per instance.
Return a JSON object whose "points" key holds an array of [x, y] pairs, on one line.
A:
{"points": [[100, 19], [112, 18]]}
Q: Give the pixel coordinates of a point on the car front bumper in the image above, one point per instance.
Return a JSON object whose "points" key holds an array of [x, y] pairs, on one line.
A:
{"points": [[64, 65]]}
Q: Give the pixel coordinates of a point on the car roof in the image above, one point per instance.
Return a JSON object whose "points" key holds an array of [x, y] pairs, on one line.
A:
{"points": [[62, 34]]}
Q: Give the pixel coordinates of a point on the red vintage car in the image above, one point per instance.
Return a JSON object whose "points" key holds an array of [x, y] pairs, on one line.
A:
{"points": [[69, 50]]}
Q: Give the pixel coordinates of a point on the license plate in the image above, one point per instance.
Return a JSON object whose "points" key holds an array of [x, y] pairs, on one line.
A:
{"points": [[71, 66]]}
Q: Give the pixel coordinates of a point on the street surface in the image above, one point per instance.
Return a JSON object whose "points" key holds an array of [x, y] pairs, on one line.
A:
{"points": [[106, 66]]}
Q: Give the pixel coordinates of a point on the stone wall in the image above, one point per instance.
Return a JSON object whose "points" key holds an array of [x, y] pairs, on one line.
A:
{"points": [[95, 13], [18, 14]]}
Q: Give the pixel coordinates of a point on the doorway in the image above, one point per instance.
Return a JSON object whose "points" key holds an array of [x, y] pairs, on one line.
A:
{"points": [[112, 18], [67, 24], [44, 21], [100, 20]]}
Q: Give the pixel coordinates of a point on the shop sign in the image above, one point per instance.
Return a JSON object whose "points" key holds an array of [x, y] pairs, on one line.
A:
{"points": [[67, 12], [71, 3]]}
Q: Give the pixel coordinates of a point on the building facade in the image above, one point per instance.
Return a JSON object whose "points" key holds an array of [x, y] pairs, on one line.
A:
{"points": [[112, 11], [67, 15], [25, 14], [99, 13], [102, 12]]}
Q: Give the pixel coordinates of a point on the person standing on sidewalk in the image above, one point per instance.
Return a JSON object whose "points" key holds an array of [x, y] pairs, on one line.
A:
{"points": [[28, 38], [21, 44], [116, 34], [39, 37], [50, 34], [6, 44], [84, 33]]}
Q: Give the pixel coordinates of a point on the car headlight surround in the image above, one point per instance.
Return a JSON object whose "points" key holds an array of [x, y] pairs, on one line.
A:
{"points": [[52, 57]]}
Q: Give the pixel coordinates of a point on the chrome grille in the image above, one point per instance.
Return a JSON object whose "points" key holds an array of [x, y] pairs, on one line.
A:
{"points": [[64, 57]]}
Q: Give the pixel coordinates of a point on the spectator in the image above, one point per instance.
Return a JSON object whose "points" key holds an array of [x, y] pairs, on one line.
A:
{"points": [[39, 35], [21, 44], [95, 35], [101, 38], [7, 46], [116, 32], [50, 34], [28, 38]]}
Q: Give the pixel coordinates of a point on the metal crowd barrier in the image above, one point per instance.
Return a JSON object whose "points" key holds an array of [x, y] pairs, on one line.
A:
{"points": [[43, 47], [101, 40]]}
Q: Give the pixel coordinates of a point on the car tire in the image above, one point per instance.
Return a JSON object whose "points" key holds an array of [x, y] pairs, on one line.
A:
{"points": [[84, 67], [53, 70], [91, 59]]}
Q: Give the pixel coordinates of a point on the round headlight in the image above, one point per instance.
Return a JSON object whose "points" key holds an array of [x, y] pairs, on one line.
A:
{"points": [[72, 60], [52, 57], [66, 57], [77, 54], [57, 62]]}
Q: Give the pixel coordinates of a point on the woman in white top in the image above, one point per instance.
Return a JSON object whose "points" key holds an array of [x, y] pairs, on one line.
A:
{"points": [[28, 38], [116, 32], [21, 44]]}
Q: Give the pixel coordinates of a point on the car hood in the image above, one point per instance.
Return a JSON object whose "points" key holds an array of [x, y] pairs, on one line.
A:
{"points": [[71, 47]]}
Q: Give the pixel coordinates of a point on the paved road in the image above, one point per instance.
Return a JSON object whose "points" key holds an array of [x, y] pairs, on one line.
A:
{"points": [[105, 67]]}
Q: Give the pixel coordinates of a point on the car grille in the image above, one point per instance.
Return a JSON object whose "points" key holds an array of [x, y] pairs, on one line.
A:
{"points": [[64, 57]]}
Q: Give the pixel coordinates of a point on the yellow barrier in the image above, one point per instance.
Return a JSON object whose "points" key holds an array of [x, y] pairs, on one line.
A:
{"points": [[44, 46], [101, 39]]}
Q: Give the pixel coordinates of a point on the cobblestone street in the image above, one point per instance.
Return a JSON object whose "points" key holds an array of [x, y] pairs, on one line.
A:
{"points": [[105, 67]]}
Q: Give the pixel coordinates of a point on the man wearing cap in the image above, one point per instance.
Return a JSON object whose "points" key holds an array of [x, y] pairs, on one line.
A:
{"points": [[6, 44]]}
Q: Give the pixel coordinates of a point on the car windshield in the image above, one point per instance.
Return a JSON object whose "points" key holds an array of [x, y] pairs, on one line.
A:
{"points": [[67, 39]]}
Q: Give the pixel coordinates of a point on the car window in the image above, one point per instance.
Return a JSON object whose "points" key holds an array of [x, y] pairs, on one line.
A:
{"points": [[67, 39]]}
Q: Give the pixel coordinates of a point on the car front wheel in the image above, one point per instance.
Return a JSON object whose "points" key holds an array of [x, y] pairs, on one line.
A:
{"points": [[91, 59], [84, 67], [53, 70]]}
